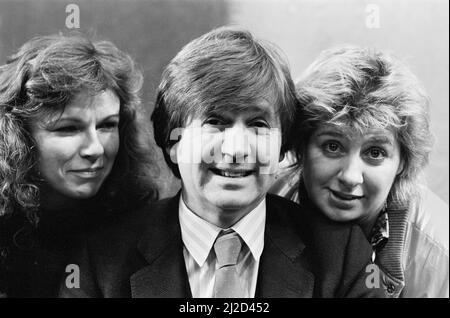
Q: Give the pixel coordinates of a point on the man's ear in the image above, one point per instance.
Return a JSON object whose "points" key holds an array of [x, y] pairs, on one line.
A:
{"points": [[172, 151]]}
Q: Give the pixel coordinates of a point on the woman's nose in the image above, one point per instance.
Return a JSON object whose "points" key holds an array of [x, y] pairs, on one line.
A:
{"points": [[235, 144], [351, 172], [92, 147]]}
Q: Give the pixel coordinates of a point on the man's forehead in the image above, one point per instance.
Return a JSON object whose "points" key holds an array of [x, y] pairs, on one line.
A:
{"points": [[260, 108]]}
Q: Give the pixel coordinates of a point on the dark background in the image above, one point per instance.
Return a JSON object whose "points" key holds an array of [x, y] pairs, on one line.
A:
{"points": [[153, 31]]}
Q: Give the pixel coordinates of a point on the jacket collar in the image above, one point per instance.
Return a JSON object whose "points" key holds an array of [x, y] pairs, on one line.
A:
{"points": [[283, 270], [390, 256]]}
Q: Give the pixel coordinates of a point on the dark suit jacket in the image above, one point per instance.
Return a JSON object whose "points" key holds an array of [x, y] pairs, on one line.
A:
{"points": [[142, 256]]}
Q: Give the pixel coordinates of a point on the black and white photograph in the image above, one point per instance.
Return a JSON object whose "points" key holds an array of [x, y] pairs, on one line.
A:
{"points": [[232, 149]]}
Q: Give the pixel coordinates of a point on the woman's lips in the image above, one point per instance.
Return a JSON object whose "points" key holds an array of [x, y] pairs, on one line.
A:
{"points": [[88, 172], [346, 196]]}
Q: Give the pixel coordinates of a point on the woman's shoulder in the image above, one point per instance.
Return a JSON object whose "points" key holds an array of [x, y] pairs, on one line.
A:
{"points": [[426, 249], [429, 218]]}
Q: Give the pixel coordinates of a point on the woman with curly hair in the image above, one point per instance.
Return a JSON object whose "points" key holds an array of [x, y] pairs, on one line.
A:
{"points": [[70, 154], [363, 140]]}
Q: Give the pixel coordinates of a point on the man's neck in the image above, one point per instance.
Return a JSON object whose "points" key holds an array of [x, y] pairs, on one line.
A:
{"points": [[221, 217]]}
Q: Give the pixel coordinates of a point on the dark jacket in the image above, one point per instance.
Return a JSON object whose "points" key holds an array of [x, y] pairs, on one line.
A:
{"points": [[142, 256], [341, 256], [33, 259]]}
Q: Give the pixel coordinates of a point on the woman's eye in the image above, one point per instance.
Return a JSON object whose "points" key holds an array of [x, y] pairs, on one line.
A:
{"points": [[376, 153], [66, 129], [331, 147], [109, 125]]}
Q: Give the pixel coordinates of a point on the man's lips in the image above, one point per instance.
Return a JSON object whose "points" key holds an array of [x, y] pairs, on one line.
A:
{"points": [[346, 196], [232, 173]]}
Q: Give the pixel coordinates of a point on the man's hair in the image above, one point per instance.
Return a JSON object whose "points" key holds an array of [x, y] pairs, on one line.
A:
{"points": [[43, 77], [225, 68], [365, 88]]}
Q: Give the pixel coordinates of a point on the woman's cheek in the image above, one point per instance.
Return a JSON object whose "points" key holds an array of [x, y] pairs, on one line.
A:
{"points": [[113, 144]]}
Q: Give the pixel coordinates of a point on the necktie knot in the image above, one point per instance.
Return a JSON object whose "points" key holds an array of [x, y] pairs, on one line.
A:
{"points": [[227, 248]]}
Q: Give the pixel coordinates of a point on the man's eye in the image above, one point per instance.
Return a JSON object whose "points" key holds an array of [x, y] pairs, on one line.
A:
{"points": [[214, 121], [259, 124]]}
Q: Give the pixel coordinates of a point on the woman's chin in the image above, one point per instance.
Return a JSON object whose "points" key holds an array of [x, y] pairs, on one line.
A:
{"points": [[82, 193], [341, 216]]}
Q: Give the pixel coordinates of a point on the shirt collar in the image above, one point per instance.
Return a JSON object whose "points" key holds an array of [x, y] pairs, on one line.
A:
{"points": [[251, 229], [199, 235], [380, 232]]}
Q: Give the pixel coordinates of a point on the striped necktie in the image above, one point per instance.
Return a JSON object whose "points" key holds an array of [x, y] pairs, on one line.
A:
{"points": [[227, 284]]}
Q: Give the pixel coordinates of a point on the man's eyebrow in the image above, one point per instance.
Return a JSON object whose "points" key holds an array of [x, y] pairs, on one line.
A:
{"points": [[254, 110], [260, 110]]}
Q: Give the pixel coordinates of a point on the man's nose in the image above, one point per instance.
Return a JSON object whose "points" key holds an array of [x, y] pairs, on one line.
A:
{"points": [[235, 144]]}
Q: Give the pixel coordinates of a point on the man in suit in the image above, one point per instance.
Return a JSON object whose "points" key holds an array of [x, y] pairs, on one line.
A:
{"points": [[222, 118]]}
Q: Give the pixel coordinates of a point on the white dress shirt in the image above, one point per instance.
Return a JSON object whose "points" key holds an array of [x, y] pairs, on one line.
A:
{"points": [[198, 237]]}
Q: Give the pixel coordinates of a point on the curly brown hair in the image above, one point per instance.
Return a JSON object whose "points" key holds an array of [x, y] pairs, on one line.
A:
{"points": [[45, 75]]}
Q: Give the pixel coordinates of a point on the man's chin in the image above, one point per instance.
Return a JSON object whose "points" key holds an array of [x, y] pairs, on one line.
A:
{"points": [[235, 202]]}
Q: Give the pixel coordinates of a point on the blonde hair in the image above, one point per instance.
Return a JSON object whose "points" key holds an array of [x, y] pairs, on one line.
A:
{"points": [[365, 88]]}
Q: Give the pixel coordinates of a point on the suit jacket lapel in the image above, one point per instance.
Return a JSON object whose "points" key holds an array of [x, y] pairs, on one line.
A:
{"points": [[284, 268], [162, 247]]}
